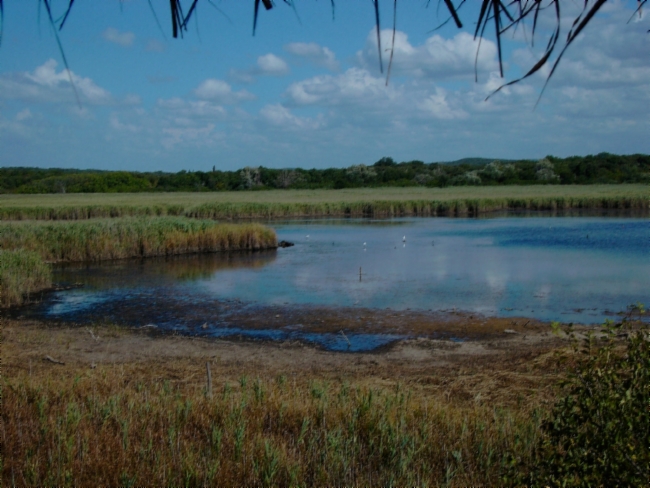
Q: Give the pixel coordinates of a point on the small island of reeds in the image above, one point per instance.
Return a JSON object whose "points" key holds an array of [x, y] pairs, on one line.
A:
{"points": [[27, 246]]}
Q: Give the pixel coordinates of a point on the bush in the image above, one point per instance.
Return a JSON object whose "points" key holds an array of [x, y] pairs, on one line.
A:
{"points": [[598, 433]]}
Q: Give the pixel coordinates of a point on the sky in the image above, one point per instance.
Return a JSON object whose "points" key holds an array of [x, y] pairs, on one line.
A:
{"points": [[306, 91]]}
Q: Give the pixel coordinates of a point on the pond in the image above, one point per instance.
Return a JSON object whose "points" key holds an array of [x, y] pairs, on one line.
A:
{"points": [[569, 269]]}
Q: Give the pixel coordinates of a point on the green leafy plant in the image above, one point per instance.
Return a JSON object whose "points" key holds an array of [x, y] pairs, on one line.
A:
{"points": [[598, 433]]}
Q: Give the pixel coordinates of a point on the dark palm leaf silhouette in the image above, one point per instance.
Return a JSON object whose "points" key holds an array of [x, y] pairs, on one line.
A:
{"points": [[498, 16]]}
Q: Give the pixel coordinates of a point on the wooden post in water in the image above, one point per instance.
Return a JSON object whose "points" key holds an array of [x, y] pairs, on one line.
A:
{"points": [[359, 273], [209, 386]]}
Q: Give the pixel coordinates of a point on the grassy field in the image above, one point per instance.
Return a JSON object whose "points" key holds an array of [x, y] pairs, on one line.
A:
{"points": [[275, 416], [294, 203], [103, 428]]}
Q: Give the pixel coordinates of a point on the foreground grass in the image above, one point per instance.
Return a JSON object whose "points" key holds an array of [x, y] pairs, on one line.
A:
{"points": [[355, 202], [21, 273], [111, 427], [265, 421], [131, 237]]}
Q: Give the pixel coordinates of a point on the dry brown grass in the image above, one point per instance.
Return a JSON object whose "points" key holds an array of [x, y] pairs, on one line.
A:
{"points": [[344, 420]]}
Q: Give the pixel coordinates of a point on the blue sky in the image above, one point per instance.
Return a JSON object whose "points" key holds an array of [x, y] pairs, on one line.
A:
{"points": [[306, 91]]}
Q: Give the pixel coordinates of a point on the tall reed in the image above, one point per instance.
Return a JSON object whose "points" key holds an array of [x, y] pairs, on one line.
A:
{"points": [[21, 273], [384, 202], [110, 428], [95, 240]]}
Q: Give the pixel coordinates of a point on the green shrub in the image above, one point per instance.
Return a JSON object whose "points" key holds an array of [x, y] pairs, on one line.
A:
{"points": [[598, 433]]}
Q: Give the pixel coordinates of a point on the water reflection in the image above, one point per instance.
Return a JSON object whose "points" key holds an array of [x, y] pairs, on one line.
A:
{"points": [[162, 270], [567, 269]]}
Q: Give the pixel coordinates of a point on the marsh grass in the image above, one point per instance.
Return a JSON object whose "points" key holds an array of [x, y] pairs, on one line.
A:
{"points": [[95, 240], [102, 426], [21, 273], [378, 202]]}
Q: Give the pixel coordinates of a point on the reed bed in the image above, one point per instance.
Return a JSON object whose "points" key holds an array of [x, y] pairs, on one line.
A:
{"points": [[108, 427], [420, 208], [21, 273], [95, 240], [378, 202]]}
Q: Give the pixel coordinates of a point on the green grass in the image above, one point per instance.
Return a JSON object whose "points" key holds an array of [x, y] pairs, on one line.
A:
{"points": [[95, 240], [21, 273], [296, 203], [105, 427]]}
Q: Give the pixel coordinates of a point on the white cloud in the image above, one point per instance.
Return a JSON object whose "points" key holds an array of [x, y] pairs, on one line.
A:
{"points": [[312, 52], [437, 104], [353, 86], [194, 110], [437, 59], [46, 84], [272, 65], [116, 124], [124, 39], [221, 92], [24, 115], [280, 116], [195, 136], [267, 65]]}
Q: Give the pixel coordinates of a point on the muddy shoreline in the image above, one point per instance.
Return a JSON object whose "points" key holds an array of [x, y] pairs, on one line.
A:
{"points": [[500, 358], [342, 329]]}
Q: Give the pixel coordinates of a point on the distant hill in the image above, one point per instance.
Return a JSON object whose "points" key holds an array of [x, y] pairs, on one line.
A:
{"points": [[477, 161]]}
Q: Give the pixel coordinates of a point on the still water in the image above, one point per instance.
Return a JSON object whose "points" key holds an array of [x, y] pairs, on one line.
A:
{"points": [[570, 269]]}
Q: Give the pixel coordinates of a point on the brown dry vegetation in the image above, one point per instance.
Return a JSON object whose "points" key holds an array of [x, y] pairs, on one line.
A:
{"points": [[130, 408], [97, 240]]}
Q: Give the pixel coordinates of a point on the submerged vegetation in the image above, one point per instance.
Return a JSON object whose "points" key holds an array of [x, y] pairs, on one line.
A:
{"points": [[600, 169], [96, 240], [21, 273], [375, 202]]}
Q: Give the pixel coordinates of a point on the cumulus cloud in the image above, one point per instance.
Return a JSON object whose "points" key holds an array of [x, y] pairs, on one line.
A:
{"points": [[278, 115], [437, 59], [192, 110], [267, 65], [438, 105], [124, 39], [272, 65], [117, 124], [194, 136], [354, 86], [46, 84], [221, 92], [312, 52]]}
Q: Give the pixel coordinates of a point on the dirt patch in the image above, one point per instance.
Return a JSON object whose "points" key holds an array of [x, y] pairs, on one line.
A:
{"points": [[498, 367]]}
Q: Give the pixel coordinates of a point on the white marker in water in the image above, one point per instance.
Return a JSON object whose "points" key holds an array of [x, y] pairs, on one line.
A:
{"points": [[404, 239]]}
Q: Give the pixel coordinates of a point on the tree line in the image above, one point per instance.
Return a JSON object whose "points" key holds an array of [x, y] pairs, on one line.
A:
{"points": [[601, 168]]}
